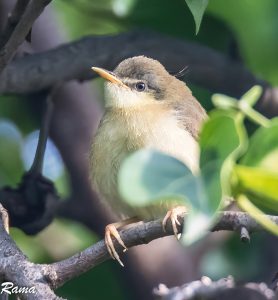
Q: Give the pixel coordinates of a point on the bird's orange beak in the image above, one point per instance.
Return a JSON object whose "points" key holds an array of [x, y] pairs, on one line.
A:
{"points": [[110, 76]]}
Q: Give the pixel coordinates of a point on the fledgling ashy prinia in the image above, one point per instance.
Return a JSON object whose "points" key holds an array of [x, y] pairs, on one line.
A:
{"points": [[145, 107]]}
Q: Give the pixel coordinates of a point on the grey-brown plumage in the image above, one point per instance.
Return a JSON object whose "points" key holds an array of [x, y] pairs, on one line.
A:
{"points": [[145, 107], [135, 119]]}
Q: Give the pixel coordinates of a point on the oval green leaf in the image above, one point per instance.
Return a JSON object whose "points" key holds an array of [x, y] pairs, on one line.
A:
{"points": [[263, 143], [260, 184], [148, 175]]}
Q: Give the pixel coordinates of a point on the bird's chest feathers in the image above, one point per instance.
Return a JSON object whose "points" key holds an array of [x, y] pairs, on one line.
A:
{"points": [[120, 135], [165, 134], [159, 130]]}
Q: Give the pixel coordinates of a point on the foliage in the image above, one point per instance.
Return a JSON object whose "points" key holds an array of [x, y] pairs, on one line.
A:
{"points": [[149, 177], [197, 8], [247, 28]]}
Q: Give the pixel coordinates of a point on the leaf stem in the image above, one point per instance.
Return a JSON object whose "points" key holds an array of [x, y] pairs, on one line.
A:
{"points": [[257, 214], [253, 115]]}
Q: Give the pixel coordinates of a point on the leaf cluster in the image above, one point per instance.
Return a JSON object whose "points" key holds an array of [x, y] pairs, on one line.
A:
{"points": [[232, 166]]}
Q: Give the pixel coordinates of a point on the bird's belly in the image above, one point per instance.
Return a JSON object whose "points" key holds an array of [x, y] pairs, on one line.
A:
{"points": [[112, 146]]}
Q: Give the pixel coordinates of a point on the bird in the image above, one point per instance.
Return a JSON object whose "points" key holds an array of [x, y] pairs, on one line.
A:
{"points": [[145, 107]]}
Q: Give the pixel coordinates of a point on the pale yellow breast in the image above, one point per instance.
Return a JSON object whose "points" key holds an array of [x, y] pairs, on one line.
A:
{"points": [[121, 134], [167, 136]]}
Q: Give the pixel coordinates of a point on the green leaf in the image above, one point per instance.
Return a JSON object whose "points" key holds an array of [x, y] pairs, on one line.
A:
{"points": [[222, 140], [260, 185], [202, 216], [197, 8], [122, 7], [148, 177], [257, 214], [218, 155], [252, 24], [263, 148]]}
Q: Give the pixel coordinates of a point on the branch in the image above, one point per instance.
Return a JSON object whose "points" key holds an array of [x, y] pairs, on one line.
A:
{"points": [[15, 268], [32, 11], [13, 19], [207, 67], [141, 234], [58, 273], [207, 289], [107, 51]]}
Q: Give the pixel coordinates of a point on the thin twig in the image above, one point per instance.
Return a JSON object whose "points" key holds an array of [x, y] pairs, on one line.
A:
{"points": [[12, 21], [244, 234], [32, 11]]}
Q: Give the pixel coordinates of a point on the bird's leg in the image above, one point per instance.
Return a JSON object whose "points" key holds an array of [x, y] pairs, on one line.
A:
{"points": [[173, 214], [111, 230]]}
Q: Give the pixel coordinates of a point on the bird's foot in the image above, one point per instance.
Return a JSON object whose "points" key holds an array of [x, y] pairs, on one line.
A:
{"points": [[112, 231], [173, 214]]}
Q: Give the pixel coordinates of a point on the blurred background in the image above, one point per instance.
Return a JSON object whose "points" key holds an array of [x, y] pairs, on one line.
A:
{"points": [[245, 31]]}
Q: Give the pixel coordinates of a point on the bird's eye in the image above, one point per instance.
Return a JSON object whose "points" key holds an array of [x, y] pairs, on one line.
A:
{"points": [[140, 86]]}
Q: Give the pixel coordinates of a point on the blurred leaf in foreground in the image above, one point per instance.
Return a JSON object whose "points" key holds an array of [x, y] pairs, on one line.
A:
{"points": [[257, 174], [260, 185], [263, 147], [257, 214], [148, 177]]}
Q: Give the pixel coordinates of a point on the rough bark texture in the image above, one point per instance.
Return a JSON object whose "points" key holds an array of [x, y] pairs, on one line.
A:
{"points": [[208, 68], [16, 268], [19, 32], [206, 289]]}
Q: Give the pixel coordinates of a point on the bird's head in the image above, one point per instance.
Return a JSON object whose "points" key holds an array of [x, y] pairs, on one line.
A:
{"points": [[140, 81]]}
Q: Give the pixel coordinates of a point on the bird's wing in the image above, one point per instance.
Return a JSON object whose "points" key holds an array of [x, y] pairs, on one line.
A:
{"points": [[191, 115]]}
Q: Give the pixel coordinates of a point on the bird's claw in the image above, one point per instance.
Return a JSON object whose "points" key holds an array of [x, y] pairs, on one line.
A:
{"points": [[173, 214], [111, 230]]}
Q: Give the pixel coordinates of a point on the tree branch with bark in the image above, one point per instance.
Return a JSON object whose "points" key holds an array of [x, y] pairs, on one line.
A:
{"points": [[206, 289], [25, 15], [207, 67], [15, 266], [34, 73]]}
